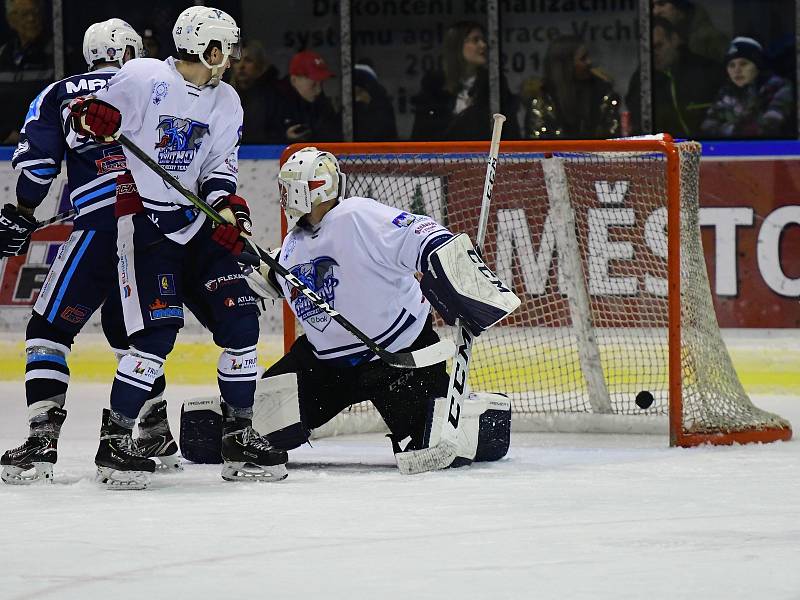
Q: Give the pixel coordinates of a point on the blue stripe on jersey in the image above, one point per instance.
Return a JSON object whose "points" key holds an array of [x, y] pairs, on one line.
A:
{"points": [[48, 357], [62, 290], [91, 195], [48, 171]]}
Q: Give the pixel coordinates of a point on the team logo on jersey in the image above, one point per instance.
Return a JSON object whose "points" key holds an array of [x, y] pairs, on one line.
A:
{"points": [[178, 142], [160, 90], [404, 219], [320, 276], [113, 160]]}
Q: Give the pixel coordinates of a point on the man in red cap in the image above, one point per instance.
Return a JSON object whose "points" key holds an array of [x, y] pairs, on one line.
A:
{"points": [[301, 111]]}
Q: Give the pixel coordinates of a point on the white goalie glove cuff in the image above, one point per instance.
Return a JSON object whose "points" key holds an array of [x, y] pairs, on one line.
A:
{"points": [[259, 280]]}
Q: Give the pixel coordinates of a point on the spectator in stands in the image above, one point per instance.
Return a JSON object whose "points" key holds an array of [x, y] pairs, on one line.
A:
{"points": [[254, 78], [299, 110], [753, 102], [573, 99], [26, 63], [373, 113], [454, 104], [684, 85], [695, 25]]}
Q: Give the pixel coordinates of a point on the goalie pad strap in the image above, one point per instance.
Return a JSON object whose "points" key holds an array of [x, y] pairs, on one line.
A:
{"points": [[460, 285]]}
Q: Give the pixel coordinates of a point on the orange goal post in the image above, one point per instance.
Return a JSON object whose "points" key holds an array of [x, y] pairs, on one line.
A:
{"points": [[616, 308]]}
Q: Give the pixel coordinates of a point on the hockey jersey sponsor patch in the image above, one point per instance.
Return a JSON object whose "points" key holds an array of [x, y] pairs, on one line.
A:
{"points": [[166, 284], [404, 219], [212, 285]]}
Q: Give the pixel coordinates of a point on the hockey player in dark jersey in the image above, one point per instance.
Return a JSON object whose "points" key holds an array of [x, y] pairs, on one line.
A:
{"points": [[84, 273]]}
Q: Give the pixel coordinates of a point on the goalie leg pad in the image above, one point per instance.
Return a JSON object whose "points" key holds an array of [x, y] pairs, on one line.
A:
{"points": [[460, 285], [485, 431], [201, 431], [276, 412]]}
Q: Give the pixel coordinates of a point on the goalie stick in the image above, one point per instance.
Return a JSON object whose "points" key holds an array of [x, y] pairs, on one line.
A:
{"points": [[424, 357], [442, 454]]}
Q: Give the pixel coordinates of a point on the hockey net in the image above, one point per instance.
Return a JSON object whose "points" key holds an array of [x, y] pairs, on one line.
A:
{"points": [[612, 306]]}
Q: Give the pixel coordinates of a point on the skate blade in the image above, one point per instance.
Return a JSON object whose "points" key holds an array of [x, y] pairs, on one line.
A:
{"points": [[40, 472], [113, 479], [167, 463], [244, 471]]}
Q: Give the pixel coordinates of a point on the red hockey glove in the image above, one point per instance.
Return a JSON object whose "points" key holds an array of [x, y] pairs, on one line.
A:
{"points": [[227, 236], [234, 210], [129, 202], [95, 118]]}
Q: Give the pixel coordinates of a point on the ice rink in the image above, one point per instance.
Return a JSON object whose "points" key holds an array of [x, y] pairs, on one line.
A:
{"points": [[564, 516]]}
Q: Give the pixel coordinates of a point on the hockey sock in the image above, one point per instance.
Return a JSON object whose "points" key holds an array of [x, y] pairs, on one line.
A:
{"points": [[133, 384], [46, 375], [237, 371]]}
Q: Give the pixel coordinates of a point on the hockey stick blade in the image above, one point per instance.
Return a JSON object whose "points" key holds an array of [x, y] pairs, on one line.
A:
{"points": [[424, 357], [434, 458]]}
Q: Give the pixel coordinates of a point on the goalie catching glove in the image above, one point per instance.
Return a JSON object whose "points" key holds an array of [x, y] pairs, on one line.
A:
{"points": [[459, 285]]}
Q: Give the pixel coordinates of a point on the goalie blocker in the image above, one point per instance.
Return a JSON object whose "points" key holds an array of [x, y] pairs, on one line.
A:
{"points": [[460, 286]]}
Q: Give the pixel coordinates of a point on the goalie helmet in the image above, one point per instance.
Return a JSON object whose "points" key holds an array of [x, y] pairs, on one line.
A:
{"points": [[198, 26], [108, 40], [309, 177]]}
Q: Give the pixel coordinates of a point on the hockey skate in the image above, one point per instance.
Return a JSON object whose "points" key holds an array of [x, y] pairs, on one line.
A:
{"points": [[33, 460], [246, 455], [120, 466], [155, 439]]}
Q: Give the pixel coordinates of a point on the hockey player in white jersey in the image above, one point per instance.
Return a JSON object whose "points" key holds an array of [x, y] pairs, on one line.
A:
{"points": [[189, 122], [362, 257], [84, 274]]}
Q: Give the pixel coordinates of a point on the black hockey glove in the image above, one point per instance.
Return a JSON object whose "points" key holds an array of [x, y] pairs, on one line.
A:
{"points": [[15, 231]]}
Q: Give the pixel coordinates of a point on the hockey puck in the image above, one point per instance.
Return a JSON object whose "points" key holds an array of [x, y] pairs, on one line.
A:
{"points": [[644, 399]]}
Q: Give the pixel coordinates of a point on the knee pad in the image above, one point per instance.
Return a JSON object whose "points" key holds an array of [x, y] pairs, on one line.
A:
{"points": [[201, 431], [40, 328], [157, 341]]}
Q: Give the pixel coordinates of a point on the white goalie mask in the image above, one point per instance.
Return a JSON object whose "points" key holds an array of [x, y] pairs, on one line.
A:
{"points": [[108, 40], [308, 178], [198, 26]]}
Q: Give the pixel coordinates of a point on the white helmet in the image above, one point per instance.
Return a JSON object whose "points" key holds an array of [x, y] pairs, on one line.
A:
{"points": [[309, 177], [198, 26], [108, 40]]}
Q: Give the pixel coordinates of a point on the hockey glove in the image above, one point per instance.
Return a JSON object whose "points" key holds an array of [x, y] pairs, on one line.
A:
{"points": [[94, 118], [228, 236], [129, 202], [235, 211], [261, 278], [15, 231]]}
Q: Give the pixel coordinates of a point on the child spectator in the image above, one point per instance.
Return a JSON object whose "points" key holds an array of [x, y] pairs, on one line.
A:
{"points": [[753, 102]]}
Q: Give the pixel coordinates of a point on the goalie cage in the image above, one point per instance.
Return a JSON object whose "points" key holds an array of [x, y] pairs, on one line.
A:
{"points": [[611, 304]]}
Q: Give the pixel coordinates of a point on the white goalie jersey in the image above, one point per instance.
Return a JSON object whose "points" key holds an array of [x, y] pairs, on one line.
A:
{"points": [[361, 259], [192, 132]]}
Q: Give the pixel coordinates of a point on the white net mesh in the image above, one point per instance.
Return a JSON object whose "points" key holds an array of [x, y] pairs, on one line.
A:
{"points": [[582, 238]]}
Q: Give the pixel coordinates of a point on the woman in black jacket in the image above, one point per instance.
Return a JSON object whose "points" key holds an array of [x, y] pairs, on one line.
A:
{"points": [[453, 104]]}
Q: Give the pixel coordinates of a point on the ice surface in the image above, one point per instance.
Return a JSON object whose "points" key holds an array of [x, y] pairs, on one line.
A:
{"points": [[564, 516]]}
